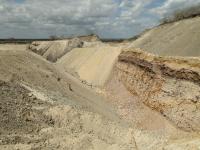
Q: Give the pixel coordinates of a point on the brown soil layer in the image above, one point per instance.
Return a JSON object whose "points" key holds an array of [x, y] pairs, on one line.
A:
{"points": [[167, 85]]}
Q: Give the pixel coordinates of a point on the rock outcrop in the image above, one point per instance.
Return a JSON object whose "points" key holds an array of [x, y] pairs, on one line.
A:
{"points": [[169, 85]]}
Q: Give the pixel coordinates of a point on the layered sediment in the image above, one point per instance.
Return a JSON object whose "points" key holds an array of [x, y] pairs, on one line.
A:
{"points": [[169, 85]]}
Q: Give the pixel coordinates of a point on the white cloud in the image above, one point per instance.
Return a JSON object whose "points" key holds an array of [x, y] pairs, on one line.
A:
{"points": [[171, 5], [60, 16], [108, 18]]}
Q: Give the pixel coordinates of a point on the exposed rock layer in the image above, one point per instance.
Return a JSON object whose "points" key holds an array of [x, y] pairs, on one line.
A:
{"points": [[168, 85]]}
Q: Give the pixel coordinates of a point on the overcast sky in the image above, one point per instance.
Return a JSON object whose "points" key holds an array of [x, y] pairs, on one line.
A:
{"points": [[107, 18]]}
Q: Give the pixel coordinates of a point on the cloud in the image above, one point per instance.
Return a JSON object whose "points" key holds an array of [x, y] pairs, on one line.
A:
{"points": [[171, 5], [107, 18], [60, 16]]}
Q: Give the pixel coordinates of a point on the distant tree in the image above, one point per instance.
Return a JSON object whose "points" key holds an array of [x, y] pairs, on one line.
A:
{"points": [[53, 37], [12, 40]]}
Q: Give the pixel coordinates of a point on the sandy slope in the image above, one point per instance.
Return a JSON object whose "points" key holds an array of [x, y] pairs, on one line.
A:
{"points": [[33, 70], [29, 121], [179, 38], [53, 50], [110, 117], [92, 65], [79, 114]]}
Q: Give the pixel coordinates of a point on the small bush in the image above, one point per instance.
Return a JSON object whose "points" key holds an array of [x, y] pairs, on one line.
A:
{"points": [[181, 14]]}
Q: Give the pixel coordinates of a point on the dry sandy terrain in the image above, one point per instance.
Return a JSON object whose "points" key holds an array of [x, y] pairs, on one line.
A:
{"points": [[83, 62], [12, 46], [79, 118], [179, 38], [97, 96]]}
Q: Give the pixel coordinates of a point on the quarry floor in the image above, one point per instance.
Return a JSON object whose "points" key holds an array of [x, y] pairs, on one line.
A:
{"points": [[43, 107]]}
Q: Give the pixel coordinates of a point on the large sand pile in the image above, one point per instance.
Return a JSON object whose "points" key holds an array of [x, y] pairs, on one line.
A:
{"points": [[179, 38], [28, 67], [128, 114], [53, 50], [42, 111], [31, 69], [92, 65]]}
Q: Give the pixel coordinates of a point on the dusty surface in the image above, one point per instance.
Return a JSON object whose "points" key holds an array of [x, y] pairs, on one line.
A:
{"points": [[83, 62], [91, 99], [53, 50], [175, 39], [6, 47], [76, 113], [31, 123], [16, 108], [166, 85]]}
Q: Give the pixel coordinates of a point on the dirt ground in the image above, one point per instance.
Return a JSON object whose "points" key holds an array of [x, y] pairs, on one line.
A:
{"points": [[19, 118], [45, 109], [44, 106], [31, 123]]}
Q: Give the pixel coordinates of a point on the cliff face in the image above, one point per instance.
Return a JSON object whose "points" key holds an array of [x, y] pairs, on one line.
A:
{"points": [[169, 85]]}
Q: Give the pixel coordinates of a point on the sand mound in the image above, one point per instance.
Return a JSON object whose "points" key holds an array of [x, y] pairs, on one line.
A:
{"points": [[74, 116], [167, 85], [91, 65], [25, 66], [53, 50], [175, 39], [30, 123]]}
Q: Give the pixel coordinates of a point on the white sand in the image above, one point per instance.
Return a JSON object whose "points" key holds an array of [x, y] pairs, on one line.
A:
{"points": [[92, 65], [179, 38]]}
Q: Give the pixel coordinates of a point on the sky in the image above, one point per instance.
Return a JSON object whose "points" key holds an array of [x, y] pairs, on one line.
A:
{"points": [[106, 18]]}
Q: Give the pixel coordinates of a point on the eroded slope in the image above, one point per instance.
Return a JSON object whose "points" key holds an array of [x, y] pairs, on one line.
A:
{"points": [[29, 122], [167, 85]]}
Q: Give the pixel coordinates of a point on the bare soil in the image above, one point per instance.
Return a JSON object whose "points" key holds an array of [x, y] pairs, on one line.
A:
{"points": [[18, 116]]}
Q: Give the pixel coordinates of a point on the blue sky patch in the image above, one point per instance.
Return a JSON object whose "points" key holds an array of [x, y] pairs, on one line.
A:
{"points": [[107, 18]]}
